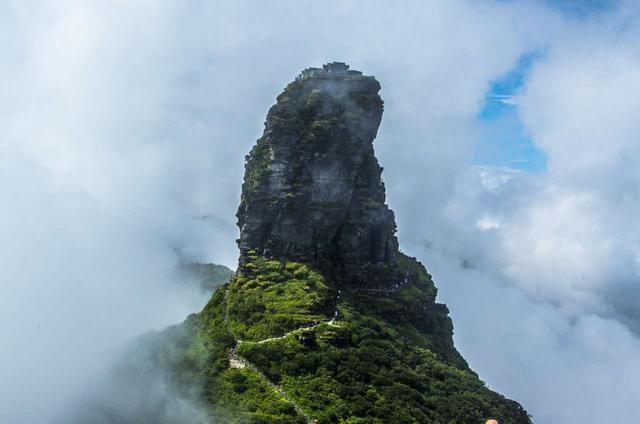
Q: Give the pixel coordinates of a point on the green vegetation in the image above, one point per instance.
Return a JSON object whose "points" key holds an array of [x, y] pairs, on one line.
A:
{"points": [[256, 169], [315, 99], [389, 358], [371, 370], [271, 298], [245, 397], [195, 355]]}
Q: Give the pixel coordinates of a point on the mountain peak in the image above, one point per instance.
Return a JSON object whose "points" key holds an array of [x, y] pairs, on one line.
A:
{"points": [[313, 190], [325, 320]]}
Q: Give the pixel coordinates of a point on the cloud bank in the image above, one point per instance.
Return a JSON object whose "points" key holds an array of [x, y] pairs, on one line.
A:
{"points": [[124, 130]]}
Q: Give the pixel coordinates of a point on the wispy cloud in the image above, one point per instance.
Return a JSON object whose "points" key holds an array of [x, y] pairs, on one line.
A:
{"points": [[507, 99], [125, 122]]}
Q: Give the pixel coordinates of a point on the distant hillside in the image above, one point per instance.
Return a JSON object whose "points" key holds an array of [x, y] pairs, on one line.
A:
{"points": [[209, 276]]}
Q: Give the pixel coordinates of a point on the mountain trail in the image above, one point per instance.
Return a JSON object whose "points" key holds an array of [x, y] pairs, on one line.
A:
{"points": [[237, 361]]}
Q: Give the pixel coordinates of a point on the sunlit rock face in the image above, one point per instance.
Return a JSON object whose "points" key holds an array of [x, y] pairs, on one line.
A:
{"points": [[313, 190]]}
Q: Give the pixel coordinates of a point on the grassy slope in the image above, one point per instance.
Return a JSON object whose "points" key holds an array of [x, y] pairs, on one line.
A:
{"points": [[389, 359], [272, 298]]}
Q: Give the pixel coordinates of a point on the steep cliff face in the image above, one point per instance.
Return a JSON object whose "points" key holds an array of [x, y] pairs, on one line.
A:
{"points": [[313, 190], [325, 320]]}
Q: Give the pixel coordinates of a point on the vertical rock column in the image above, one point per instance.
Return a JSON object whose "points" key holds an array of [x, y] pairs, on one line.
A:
{"points": [[313, 190]]}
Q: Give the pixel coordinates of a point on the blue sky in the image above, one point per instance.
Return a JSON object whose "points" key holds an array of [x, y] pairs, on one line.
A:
{"points": [[502, 139], [582, 8]]}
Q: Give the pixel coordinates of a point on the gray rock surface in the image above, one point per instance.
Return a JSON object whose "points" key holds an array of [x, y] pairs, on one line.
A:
{"points": [[313, 190]]}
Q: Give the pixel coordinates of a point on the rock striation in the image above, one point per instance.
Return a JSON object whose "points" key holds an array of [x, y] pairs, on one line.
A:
{"points": [[313, 190]]}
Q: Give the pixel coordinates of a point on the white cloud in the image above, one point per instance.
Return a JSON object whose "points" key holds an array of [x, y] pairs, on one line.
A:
{"points": [[488, 223], [123, 122]]}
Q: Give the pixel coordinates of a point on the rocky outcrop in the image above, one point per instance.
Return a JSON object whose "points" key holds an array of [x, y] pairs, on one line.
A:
{"points": [[313, 190], [325, 320]]}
